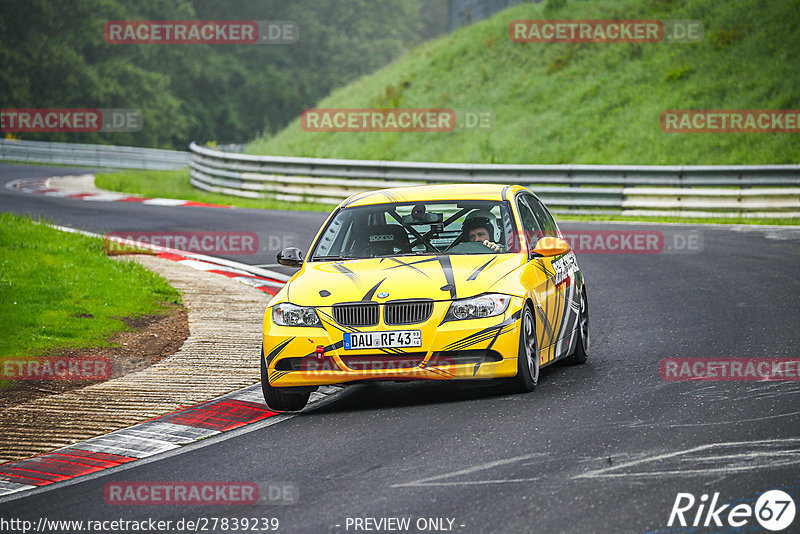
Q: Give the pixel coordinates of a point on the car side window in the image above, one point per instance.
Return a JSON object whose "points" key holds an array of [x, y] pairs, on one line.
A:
{"points": [[552, 221], [542, 216], [530, 225]]}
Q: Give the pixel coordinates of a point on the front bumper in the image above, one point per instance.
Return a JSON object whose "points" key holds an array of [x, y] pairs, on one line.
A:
{"points": [[453, 350]]}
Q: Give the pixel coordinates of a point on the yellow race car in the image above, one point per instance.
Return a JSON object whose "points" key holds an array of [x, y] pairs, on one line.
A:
{"points": [[439, 282]]}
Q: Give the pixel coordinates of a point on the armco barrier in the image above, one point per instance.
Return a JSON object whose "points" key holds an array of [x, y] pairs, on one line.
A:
{"points": [[110, 156], [640, 190]]}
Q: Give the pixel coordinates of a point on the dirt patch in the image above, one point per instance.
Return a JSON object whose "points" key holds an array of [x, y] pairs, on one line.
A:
{"points": [[154, 338]]}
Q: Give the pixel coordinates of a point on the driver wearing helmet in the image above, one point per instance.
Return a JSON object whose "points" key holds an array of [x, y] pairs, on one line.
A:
{"points": [[478, 227]]}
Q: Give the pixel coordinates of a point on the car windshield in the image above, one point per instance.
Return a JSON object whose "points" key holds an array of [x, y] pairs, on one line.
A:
{"points": [[418, 228]]}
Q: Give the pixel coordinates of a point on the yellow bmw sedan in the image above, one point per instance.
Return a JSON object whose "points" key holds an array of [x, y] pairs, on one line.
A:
{"points": [[438, 282]]}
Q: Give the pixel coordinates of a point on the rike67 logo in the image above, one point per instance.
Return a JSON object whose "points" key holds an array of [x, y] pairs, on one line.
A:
{"points": [[774, 510]]}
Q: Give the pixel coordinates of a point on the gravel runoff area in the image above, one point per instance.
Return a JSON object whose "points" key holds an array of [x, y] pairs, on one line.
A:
{"points": [[220, 355]]}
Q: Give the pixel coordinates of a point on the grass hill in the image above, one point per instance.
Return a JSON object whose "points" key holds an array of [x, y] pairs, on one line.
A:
{"points": [[581, 103]]}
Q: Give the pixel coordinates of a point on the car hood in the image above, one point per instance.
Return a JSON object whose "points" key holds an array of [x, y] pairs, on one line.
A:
{"points": [[402, 277]]}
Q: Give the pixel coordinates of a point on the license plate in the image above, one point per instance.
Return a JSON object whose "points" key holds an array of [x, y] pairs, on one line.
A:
{"points": [[382, 340]]}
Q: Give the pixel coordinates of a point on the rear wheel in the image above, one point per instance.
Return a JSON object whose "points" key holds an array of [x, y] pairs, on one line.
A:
{"points": [[281, 399], [581, 352], [528, 357]]}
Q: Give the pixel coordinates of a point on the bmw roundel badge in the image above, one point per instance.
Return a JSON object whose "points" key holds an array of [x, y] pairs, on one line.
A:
{"points": [[383, 294]]}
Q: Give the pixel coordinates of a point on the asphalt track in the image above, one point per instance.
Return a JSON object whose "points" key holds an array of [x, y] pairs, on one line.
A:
{"points": [[603, 447]]}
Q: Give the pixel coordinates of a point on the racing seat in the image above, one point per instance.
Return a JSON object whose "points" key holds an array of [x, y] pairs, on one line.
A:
{"points": [[381, 240]]}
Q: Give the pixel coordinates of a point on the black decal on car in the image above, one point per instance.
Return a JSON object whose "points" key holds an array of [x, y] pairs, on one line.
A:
{"points": [[277, 350], [477, 271]]}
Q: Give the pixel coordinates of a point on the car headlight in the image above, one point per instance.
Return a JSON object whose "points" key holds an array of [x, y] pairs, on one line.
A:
{"points": [[286, 314], [478, 307]]}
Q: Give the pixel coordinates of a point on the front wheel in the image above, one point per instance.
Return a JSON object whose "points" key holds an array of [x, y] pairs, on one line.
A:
{"points": [[279, 398], [528, 356]]}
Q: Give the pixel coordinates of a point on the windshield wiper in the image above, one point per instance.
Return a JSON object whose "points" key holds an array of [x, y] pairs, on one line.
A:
{"points": [[332, 258], [422, 253]]}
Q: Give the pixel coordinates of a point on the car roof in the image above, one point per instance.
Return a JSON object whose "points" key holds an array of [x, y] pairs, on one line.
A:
{"points": [[442, 192]]}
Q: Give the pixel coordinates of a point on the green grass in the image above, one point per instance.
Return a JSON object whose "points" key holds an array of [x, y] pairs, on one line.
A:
{"points": [[581, 103], [49, 278], [175, 184]]}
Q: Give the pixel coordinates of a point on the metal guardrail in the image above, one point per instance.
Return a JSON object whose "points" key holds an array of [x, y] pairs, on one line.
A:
{"points": [[639, 190], [109, 156]]}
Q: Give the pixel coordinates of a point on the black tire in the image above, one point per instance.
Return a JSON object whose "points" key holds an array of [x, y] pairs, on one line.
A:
{"points": [[279, 398], [528, 356], [581, 352]]}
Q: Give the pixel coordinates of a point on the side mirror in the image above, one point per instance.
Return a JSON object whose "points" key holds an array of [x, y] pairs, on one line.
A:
{"points": [[550, 246], [290, 257]]}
